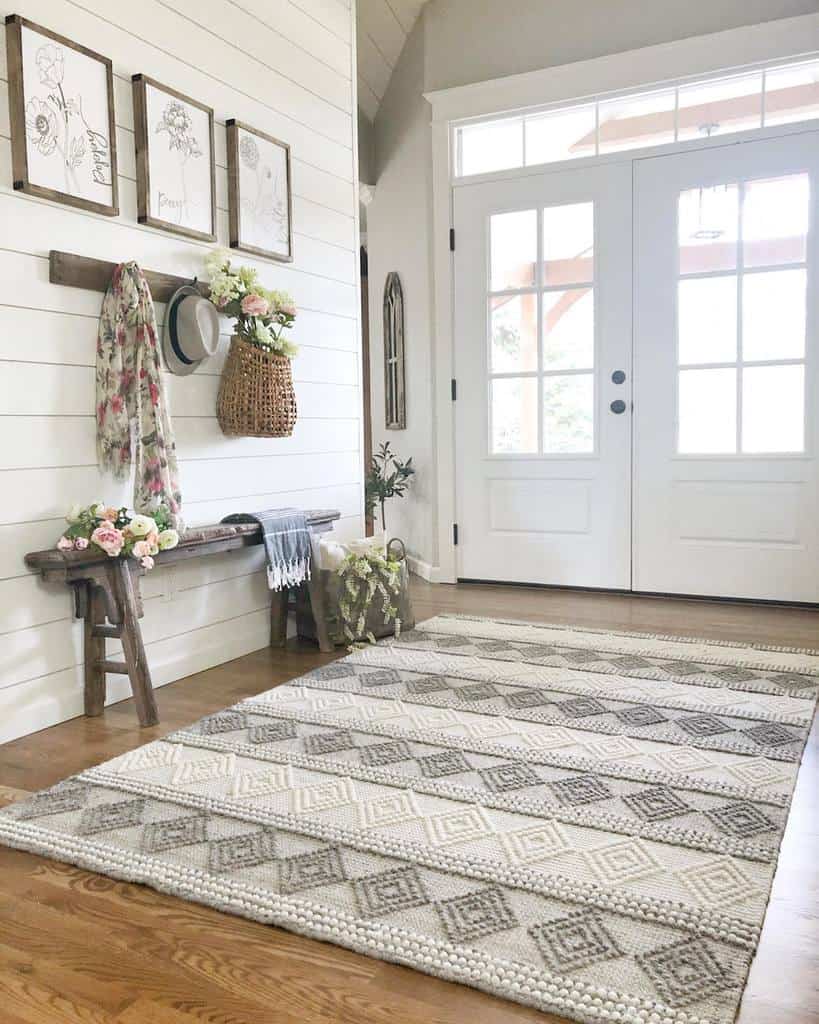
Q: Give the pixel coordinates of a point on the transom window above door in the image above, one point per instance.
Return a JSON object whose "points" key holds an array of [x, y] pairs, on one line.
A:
{"points": [[741, 317], [541, 331]]}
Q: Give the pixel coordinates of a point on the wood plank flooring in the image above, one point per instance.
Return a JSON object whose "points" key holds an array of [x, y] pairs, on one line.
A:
{"points": [[78, 948]]}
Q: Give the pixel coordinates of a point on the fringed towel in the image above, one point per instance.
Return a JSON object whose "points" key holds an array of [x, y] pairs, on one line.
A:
{"points": [[131, 406], [287, 542]]}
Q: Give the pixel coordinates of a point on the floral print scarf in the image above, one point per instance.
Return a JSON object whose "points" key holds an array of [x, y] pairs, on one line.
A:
{"points": [[131, 406]]}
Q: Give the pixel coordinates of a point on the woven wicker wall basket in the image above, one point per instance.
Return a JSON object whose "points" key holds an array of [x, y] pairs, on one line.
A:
{"points": [[256, 396]]}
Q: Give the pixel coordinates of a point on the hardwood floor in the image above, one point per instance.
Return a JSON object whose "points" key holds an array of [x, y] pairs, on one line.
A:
{"points": [[78, 948]]}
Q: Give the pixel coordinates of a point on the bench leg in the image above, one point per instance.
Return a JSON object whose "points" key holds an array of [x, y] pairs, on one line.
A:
{"points": [[317, 604], [278, 617], [94, 651], [135, 659]]}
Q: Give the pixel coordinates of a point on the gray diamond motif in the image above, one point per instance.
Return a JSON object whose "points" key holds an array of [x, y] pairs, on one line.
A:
{"points": [[735, 675], [307, 870], [427, 684], [58, 800], [492, 646], [478, 691], [703, 725], [683, 668], [575, 941], [398, 889], [501, 778], [580, 789], [684, 972], [385, 753], [122, 814], [630, 661], [230, 721], [769, 734], [741, 819], [167, 835], [656, 804], [447, 762], [453, 641], [244, 851], [273, 732], [581, 657], [539, 651], [381, 678], [581, 707], [527, 699], [329, 742], [794, 681], [640, 715], [336, 671], [476, 914]]}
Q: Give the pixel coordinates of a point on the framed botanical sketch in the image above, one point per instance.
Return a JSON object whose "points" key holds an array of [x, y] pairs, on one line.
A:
{"points": [[61, 102], [176, 177], [260, 201]]}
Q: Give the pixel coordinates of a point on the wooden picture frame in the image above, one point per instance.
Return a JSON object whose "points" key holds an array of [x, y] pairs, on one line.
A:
{"points": [[61, 106], [170, 130], [261, 221]]}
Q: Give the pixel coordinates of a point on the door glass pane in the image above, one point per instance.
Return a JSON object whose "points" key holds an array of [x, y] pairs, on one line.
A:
{"points": [[568, 329], [514, 333], [773, 315], [514, 415], [568, 414], [560, 135], [568, 244], [707, 412], [792, 94], [708, 319], [513, 241], [715, 108], [708, 220], [646, 120], [492, 146], [773, 409], [775, 220]]}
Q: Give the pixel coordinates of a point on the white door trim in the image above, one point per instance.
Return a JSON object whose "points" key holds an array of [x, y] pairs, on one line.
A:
{"points": [[769, 41]]}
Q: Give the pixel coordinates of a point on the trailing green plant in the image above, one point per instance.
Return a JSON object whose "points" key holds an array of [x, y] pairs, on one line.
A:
{"points": [[388, 477], [362, 577]]}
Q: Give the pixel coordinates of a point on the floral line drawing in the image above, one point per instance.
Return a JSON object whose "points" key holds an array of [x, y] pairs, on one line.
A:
{"points": [[267, 212], [177, 122]]}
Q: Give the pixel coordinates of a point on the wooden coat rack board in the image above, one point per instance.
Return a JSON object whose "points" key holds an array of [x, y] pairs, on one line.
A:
{"points": [[85, 272]]}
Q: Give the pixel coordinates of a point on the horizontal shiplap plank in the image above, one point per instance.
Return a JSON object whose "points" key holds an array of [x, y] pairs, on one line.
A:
{"points": [[299, 28], [332, 14], [196, 396]]}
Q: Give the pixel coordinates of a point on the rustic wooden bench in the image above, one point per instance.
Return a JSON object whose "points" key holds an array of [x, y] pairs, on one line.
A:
{"points": [[107, 598]]}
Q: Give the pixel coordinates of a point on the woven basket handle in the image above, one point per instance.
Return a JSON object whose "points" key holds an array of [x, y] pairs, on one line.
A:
{"points": [[403, 551]]}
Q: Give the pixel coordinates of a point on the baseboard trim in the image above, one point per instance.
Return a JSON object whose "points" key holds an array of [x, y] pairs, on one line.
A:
{"points": [[430, 573]]}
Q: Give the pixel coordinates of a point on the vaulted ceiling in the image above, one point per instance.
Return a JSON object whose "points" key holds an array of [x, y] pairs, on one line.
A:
{"points": [[382, 30]]}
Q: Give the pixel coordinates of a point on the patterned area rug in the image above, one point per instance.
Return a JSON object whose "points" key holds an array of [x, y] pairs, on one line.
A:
{"points": [[582, 821]]}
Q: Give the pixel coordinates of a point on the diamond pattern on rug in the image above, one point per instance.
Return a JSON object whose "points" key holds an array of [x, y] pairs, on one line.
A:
{"points": [[390, 891], [621, 862], [338, 670], [684, 972], [741, 819], [641, 714], [478, 691], [580, 789], [575, 941], [382, 678], [581, 707], [769, 734], [530, 845], [427, 684], [273, 732], [159, 836], [329, 742], [703, 725], [717, 883], [447, 762], [656, 804], [243, 851], [527, 699], [227, 721], [502, 778], [275, 779], [385, 753], [103, 817], [476, 915], [308, 870], [457, 826], [58, 800]]}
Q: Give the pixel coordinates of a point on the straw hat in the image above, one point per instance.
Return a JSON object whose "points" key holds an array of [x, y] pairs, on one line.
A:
{"points": [[191, 330]]}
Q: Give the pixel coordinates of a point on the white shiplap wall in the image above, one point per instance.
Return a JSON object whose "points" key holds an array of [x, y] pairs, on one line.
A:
{"points": [[286, 67]]}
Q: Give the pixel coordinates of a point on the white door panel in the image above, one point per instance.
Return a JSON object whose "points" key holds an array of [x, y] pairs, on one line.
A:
{"points": [[725, 423], [543, 319]]}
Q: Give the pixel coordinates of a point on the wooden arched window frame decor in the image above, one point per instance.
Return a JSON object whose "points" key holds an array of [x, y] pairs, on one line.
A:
{"points": [[394, 376]]}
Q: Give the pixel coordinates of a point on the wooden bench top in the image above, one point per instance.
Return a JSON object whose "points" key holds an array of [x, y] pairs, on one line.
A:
{"points": [[196, 541]]}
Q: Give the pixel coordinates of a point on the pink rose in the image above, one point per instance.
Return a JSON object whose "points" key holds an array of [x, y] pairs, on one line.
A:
{"points": [[65, 544], [81, 543], [147, 562], [109, 539], [255, 305], [288, 309], [141, 549], [110, 514]]}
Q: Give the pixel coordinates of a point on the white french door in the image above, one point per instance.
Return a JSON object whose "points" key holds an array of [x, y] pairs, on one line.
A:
{"points": [[542, 350], [725, 424], [712, 255]]}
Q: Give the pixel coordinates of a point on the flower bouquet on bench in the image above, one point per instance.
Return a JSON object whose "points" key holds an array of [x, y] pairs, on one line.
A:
{"points": [[119, 532]]}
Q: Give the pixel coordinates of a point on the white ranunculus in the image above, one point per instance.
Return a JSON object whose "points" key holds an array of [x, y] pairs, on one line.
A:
{"points": [[168, 539], [141, 526], [331, 554], [74, 513]]}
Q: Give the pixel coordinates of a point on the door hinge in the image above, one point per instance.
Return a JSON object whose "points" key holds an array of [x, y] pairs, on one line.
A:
{"points": [[452, 239], [455, 534], [454, 388]]}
